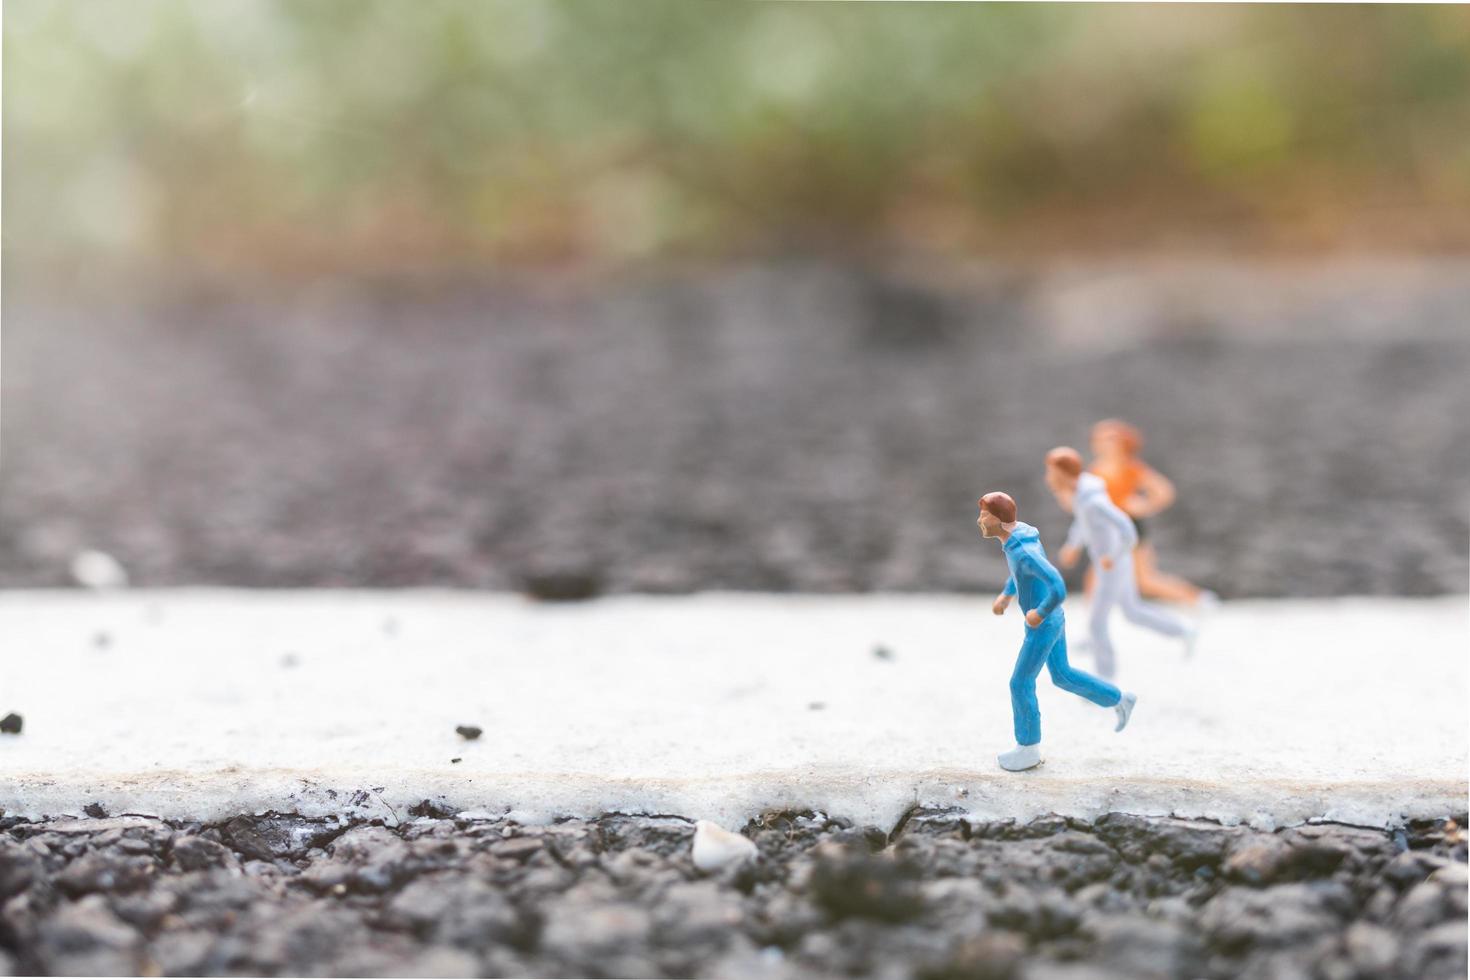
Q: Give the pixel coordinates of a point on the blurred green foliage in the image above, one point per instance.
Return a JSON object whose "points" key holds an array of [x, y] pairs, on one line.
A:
{"points": [[302, 132]]}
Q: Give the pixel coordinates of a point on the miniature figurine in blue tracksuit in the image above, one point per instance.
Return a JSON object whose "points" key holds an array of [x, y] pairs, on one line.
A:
{"points": [[1110, 537], [1039, 587]]}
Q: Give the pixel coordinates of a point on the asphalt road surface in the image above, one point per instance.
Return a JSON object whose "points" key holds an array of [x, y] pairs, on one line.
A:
{"points": [[801, 427], [935, 897]]}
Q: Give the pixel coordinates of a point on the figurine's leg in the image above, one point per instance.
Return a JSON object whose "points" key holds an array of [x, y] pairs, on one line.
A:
{"points": [[1160, 585], [1078, 682], [1109, 585], [1024, 710], [1145, 614]]}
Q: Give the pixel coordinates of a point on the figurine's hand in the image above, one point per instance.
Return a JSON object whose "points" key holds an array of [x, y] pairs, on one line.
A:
{"points": [[1106, 563], [1033, 618], [1068, 555], [1141, 506], [999, 606]]}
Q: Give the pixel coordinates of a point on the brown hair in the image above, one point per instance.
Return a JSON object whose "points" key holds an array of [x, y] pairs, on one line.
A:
{"points": [[1066, 459], [1001, 505]]}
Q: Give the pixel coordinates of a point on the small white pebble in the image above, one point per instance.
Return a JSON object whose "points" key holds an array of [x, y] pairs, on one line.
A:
{"points": [[715, 847], [98, 570]]}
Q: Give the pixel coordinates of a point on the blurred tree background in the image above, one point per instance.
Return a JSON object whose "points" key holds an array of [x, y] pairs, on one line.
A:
{"points": [[343, 134]]}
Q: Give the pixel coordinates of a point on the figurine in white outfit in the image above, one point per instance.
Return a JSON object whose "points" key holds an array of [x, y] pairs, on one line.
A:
{"points": [[1109, 536]]}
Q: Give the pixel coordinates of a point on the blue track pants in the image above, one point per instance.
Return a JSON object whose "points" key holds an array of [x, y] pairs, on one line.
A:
{"points": [[1047, 644]]}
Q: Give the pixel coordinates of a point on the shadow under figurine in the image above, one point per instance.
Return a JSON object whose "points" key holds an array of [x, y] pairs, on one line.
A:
{"points": [[1039, 587]]}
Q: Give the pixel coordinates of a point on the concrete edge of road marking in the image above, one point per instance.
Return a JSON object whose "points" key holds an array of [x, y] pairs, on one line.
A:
{"points": [[879, 799]]}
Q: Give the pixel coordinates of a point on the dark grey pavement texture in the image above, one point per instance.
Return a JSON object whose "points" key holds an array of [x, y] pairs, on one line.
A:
{"points": [[1122, 897], [799, 426]]}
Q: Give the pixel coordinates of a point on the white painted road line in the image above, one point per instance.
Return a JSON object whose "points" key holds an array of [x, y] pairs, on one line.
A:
{"points": [[203, 704]]}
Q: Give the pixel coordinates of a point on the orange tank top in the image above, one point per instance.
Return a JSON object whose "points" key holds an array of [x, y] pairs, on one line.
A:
{"points": [[1122, 478]]}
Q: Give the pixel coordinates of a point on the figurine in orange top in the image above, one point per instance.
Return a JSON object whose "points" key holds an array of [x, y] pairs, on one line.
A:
{"points": [[1141, 492]]}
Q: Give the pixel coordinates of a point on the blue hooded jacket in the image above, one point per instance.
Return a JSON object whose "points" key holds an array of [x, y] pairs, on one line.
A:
{"points": [[1033, 579]]}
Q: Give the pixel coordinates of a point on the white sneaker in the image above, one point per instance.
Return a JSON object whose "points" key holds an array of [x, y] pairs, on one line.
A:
{"points": [[1191, 640], [1207, 602], [1021, 757], [1124, 709]]}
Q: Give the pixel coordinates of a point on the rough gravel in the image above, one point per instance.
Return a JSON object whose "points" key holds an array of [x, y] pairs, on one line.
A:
{"points": [[804, 426], [934, 897]]}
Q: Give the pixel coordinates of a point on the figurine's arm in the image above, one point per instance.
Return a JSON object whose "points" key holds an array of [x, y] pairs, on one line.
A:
{"points": [[1111, 532], [1004, 599], [1072, 547], [1053, 591], [1076, 536], [1155, 494]]}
